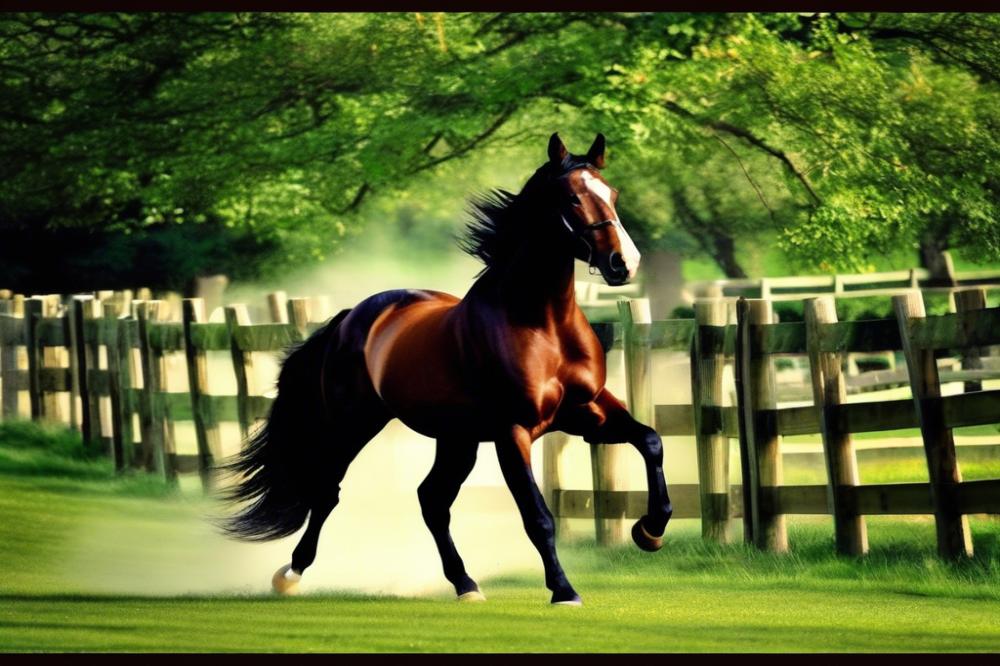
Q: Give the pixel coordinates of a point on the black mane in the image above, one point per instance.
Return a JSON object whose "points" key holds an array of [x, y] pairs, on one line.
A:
{"points": [[497, 215]]}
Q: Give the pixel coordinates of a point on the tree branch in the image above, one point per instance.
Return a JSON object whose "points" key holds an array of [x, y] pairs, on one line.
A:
{"points": [[750, 138]]}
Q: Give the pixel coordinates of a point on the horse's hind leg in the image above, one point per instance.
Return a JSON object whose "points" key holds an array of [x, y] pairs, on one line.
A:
{"points": [[453, 462], [365, 424]]}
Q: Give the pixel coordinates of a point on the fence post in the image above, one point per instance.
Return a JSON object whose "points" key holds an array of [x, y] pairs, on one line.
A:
{"points": [[8, 357], [967, 300], [236, 316], [829, 392], [954, 539], [51, 357], [299, 314], [707, 365], [32, 314], [150, 408], [87, 308], [762, 447], [207, 432], [119, 381], [609, 462], [277, 304], [553, 445], [322, 309]]}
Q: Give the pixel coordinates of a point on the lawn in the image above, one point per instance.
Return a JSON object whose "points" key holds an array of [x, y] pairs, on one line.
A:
{"points": [[690, 596]]}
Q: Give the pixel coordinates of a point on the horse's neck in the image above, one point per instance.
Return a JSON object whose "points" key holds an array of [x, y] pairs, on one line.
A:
{"points": [[537, 287]]}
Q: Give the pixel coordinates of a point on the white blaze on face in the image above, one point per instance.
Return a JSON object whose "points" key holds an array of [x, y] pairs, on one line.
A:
{"points": [[630, 253]]}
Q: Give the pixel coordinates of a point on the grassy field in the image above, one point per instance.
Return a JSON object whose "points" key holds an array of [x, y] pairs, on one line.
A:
{"points": [[688, 597]]}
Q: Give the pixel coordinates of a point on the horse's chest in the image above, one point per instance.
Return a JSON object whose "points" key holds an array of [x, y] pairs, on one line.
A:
{"points": [[560, 373]]}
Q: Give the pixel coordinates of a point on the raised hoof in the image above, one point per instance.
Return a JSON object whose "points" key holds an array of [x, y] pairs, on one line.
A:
{"points": [[644, 539], [285, 581], [473, 596]]}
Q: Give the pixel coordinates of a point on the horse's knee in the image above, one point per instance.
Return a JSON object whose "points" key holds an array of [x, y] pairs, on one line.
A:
{"points": [[651, 446]]}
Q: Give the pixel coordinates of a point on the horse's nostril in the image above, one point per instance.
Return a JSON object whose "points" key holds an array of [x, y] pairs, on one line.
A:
{"points": [[617, 262]]}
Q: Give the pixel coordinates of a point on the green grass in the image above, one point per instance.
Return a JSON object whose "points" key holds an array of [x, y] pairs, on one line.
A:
{"points": [[690, 596]]}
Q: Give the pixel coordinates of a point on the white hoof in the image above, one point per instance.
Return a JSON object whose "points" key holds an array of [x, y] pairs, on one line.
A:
{"points": [[574, 602], [471, 597], [285, 581]]}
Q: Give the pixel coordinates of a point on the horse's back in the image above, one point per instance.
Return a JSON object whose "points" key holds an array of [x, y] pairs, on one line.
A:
{"points": [[411, 353]]}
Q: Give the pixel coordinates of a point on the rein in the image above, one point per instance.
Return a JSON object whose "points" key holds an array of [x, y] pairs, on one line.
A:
{"points": [[580, 234]]}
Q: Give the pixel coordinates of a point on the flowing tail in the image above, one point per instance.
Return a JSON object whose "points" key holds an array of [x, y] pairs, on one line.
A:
{"points": [[280, 465]]}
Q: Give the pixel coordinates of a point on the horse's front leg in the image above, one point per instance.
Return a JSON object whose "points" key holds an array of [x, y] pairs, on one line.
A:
{"points": [[514, 454], [619, 426]]}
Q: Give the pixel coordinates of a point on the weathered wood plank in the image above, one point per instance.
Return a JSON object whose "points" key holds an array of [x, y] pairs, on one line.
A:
{"points": [[876, 416], [210, 337], [892, 499], [712, 443], [155, 415], [609, 464], [975, 328], [797, 420], [119, 383], [51, 332], [672, 334], [796, 500], [12, 330], [674, 420], [685, 498], [782, 338], [969, 409], [12, 378], [238, 321], [830, 391], [32, 314], [859, 336], [758, 398], [265, 337], [54, 380], [979, 496], [967, 300], [954, 538], [166, 337], [208, 437]]}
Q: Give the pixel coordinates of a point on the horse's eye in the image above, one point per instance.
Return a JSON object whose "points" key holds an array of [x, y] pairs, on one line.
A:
{"points": [[573, 199]]}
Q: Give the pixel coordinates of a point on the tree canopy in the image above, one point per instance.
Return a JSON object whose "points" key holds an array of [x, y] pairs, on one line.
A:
{"points": [[841, 135]]}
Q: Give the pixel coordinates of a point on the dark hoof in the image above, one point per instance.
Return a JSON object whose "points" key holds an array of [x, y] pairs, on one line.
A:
{"points": [[571, 599], [644, 539]]}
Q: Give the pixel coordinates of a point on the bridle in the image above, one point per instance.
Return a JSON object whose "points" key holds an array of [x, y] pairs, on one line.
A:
{"points": [[582, 233]]}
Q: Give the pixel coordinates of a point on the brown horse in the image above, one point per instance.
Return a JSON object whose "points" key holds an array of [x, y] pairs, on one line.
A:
{"points": [[514, 359]]}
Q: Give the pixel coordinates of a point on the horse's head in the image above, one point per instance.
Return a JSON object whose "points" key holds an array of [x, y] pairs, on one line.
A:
{"points": [[586, 207]]}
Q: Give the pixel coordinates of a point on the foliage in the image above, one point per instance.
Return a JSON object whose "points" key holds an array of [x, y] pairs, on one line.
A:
{"points": [[840, 136]]}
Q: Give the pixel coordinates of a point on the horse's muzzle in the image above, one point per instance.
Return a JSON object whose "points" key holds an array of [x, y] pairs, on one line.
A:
{"points": [[615, 271]]}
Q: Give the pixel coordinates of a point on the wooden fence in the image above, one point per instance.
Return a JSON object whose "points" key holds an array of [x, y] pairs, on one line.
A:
{"points": [[759, 422], [108, 353], [114, 350], [861, 284]]}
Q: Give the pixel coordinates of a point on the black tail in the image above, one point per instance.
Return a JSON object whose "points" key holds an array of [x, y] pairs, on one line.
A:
{"points": [[279, 464]]}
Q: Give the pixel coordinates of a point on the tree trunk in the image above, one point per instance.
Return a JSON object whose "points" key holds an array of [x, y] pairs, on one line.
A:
{"points": [[935, 258], [724, 253], [663, 280]]}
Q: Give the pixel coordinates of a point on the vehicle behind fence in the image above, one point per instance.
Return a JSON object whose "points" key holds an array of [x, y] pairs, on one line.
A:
{"points": [[98, 362]]}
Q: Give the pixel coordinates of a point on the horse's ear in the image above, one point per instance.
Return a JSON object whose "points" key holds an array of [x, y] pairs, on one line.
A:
{"points": [[596, 153], [557, 151]]}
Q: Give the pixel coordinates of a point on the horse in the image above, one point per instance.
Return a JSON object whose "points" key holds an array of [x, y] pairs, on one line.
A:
{"points": [[514, 359]]}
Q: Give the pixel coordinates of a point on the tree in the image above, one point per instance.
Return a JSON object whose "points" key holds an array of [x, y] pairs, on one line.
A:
{"points": [[841, 135]]}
